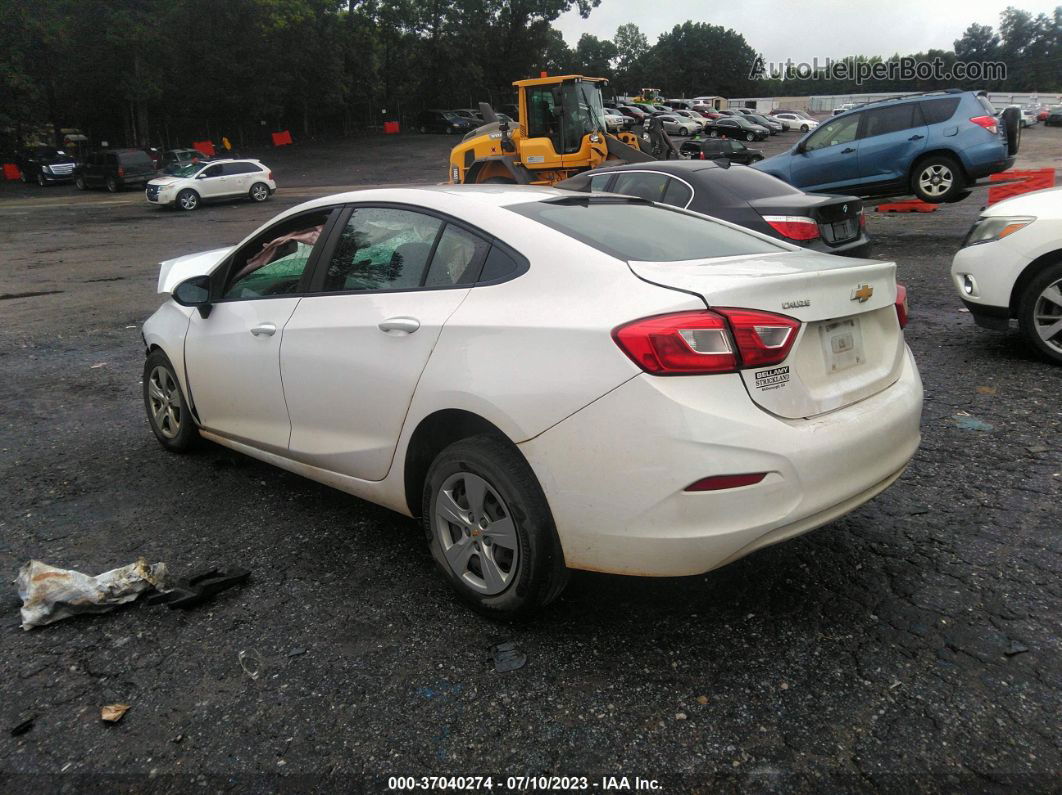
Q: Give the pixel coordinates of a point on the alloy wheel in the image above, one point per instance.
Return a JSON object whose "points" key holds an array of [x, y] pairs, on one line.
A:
{"points": [[1047, 316], [164, 397], [936, 180], [259, 192], [477, 533]]}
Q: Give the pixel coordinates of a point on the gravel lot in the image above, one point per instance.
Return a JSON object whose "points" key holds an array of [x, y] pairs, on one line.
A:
{"points": [[914, 644]]}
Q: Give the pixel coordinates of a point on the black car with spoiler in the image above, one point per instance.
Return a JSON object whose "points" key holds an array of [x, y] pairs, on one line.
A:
{"points": [[740, 195]]}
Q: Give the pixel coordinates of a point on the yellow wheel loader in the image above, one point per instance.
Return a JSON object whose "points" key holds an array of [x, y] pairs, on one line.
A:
{"points": [[561, 132]]}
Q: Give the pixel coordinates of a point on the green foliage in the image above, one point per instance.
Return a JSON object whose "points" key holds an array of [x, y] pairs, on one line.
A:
{"points": [[168, 72]]}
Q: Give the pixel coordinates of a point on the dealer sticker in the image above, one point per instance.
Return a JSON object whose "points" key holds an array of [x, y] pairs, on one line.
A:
{"points": [[774, 378]]}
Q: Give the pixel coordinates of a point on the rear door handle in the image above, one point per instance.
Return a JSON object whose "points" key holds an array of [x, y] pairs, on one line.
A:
{"points": [[847, 151], [916, 138], [399, 325], [264, 330]]}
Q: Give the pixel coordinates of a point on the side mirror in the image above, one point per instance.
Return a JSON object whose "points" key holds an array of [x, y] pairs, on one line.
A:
{"points": [[800, 148], [201, 175], [194, 292]]}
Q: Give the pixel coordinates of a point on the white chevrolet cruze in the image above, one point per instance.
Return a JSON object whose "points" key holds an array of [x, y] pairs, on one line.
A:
{"points": [[1010, 266], [550, 380], [190, 185]]}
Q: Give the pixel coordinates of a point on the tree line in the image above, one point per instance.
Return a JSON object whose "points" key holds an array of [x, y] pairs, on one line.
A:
{"points": [[167, 72]]}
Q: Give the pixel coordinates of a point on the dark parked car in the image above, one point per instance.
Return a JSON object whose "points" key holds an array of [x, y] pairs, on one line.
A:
{"points": [[114, 169], [736, 127], [443, 121], [173, 159], [632, 112], [1054, 117], [45, 165], [774, 125], [740, 195], [720, 149]]}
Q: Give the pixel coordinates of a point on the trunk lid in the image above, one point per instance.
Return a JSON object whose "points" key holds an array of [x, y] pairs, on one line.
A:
{"points": [[837, 216], [849, 345]]}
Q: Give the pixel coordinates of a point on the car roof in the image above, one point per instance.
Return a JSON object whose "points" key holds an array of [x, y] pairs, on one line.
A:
{"points": [[888, 101], [676, 168], [489, 195]]}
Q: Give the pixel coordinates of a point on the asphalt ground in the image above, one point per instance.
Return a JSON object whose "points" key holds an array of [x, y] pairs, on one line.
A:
{"points": [[912, 645]]}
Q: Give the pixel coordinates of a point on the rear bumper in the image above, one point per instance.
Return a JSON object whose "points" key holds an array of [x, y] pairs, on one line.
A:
{"points": [[986, 159], [856, 247], [615, 473]]}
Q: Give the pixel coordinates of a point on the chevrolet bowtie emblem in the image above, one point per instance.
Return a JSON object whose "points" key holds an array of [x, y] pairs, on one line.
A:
{"points": [[862, 293]]}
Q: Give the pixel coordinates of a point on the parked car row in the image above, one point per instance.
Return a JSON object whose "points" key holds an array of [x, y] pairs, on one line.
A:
{"points": [[454, 122], [114, 169], [189, 177]]}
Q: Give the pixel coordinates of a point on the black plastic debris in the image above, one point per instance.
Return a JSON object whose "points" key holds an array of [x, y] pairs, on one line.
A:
{"points": [[23, 727], [507, 657], [198, 588], [1016, 648]]}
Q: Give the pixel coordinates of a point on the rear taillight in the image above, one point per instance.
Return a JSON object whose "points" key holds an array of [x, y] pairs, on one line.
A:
{"points": [[703, 343], [270, 176], [901, 305], [702, 155], [990, 123], [794, 227], [121, 171], [862, 219]]}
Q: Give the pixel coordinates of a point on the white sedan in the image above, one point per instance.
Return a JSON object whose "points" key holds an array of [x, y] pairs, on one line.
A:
{"points": [[189, 186], [797, 122], [550, 380], [1010, 266]]}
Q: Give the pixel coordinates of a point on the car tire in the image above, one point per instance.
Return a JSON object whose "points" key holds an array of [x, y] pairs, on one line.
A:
{"points": [[112, 185], [937, 179], [79, 183], [750, 137], [1011, 119], [164, 402], [803, 128], [508, 572], [259, 192], [41, 180], [1038, 313], [715, 133], [188, 200]]}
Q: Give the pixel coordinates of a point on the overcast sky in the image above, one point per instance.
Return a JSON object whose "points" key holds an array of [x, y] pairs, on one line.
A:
{"points": [[808, 29]]}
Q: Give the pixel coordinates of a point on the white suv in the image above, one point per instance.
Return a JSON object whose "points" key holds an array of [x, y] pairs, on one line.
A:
{"points": [[1010, 266], [190, 185]]}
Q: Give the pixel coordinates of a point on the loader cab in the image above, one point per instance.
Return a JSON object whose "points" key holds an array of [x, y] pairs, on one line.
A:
{"points": [[563, 114]]}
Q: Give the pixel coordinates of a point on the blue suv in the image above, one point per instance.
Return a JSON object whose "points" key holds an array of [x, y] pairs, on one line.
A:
{"points": [[932, 145]]}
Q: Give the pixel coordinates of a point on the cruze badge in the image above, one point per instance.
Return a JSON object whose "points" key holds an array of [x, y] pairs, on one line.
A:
{"points": [[862, 293], [796, 304], [844, 208]]}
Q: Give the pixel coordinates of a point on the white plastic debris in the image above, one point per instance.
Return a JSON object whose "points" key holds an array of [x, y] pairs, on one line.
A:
{"points": [[50, 594]]}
